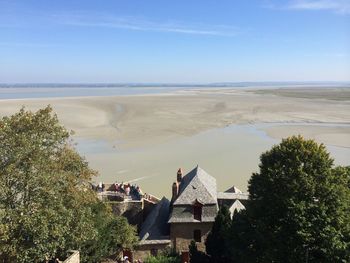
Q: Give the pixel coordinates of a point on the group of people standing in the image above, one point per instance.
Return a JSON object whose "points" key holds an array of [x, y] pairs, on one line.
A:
{"points": [[128, 189]]}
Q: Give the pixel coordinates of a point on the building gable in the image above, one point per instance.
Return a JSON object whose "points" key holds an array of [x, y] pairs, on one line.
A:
{"points": [[197, 185]]}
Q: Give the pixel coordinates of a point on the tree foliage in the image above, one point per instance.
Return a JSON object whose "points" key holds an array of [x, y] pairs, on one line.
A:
{"points": [[217, 240], [299, 210], [300, 205], [166, 256], [113, 235], [46, 204], [242, 239], [197, 256]]}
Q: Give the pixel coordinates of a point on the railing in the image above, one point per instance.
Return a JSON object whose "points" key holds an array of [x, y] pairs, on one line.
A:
{"points": [[118, 196]]}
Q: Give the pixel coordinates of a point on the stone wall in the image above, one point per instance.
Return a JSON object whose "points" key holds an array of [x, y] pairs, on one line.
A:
{"points": [[181, 234], [132, 210], [145, 250]]}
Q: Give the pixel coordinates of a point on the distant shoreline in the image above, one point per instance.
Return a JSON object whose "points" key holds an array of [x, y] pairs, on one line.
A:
{"points": [[155, 84], [37, 91]]}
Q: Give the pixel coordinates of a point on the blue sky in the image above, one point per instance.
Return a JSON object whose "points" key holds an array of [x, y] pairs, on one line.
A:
{"points": [[174, 41]]}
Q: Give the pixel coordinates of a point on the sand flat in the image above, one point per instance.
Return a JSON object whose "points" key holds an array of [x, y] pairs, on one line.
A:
{"points": [[333, 93], [139, 136], [331, 135], [149, 119]]}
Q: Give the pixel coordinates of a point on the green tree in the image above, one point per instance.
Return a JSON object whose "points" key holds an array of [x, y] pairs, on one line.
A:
{"points": [[166, 256], [242, 239], [299, 205], [197, 256], [47, 206], [218, 239], [113, 235]]}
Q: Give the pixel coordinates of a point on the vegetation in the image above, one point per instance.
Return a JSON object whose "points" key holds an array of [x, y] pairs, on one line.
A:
{"points": [[113, 234], [299, 207], [197, 256], [167, 256], [47, 206], [299, 210], [216, 246]]}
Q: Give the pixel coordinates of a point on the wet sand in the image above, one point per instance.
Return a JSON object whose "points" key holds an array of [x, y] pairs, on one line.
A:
{"points": [[334, 135], [150, 136], [333, 93]]}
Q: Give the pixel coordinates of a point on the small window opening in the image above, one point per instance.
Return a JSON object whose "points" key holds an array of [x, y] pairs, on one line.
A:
{"points": [[197, 212]]}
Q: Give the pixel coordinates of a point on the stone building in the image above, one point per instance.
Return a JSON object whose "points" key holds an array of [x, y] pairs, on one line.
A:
{"points": [[154, 234], [133, 205], [189, 215], [194, 206], [145, 211]]}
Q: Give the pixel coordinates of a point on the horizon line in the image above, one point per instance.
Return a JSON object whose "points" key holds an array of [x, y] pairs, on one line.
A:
{"points": [[177, 83]]}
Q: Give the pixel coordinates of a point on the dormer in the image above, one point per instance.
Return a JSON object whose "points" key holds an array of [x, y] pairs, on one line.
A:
{"points": [[197, 210]]}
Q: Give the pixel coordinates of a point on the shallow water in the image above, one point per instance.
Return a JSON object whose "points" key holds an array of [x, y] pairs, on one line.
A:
{"points": [[30, 91], [52, 92], [230, 154]]}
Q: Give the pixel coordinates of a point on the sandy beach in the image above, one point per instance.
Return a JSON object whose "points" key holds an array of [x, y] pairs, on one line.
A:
{"points": [[143, 136]]}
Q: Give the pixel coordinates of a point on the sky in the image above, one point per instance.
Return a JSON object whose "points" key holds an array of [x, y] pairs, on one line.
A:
{"points": [[182, 41]]}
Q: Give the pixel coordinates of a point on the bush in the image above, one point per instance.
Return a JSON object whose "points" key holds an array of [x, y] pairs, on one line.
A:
{"points": [[166, 256]]}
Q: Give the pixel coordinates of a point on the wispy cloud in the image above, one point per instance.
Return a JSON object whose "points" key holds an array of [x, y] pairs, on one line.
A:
{"points": [[338, 6], [141, 24]]}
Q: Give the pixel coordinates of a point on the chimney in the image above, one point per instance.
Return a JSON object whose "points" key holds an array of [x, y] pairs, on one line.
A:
{"points": [[179, 175], [175, 191]]}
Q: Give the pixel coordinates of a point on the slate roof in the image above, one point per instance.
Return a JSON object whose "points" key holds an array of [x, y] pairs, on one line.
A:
{"points": [[233, 189], [155, 226], [232, 196], [197, 185], [236, 207], [184, 214]]}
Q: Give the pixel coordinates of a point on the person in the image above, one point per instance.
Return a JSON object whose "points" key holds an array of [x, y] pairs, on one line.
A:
{"points": [[116, 187], [127, 189], [99, 187]]}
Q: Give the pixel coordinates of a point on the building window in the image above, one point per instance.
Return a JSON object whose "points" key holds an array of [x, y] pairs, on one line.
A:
{"points": [[197, 235], [197, 212]]}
